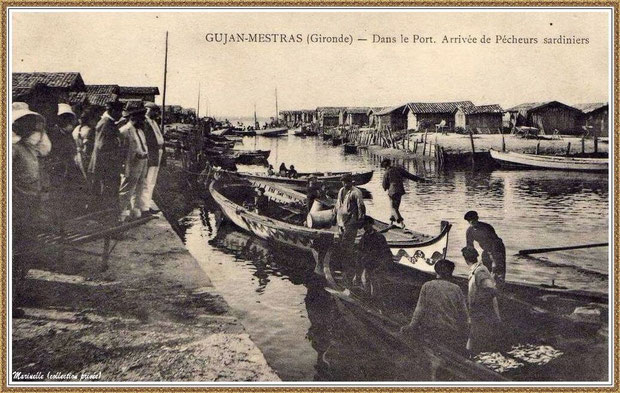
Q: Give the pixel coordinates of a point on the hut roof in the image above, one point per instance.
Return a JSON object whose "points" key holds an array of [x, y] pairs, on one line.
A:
{"points": [[480, 109], [131, 103], [390, 109], [62, 80], [330, 110], [101, 99], [437, 107], [77, 97], [138, 90], [376, 109], [357, 109], [591, 107], [102, 89], [534, 106]]}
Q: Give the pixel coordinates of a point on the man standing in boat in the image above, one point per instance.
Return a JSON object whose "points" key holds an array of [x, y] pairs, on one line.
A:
{"points": [[350, 212], [493, 249], [393, 184]]}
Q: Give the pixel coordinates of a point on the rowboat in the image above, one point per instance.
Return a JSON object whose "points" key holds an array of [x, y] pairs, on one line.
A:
{"points": [[285, 221], [533, 161], [331, 180], [272, 132]]}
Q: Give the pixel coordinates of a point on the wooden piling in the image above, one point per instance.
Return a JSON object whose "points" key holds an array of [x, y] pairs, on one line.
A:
{"points": [[568, 149], [595, 144], [538, 148], [473, 147], [583, 145]]}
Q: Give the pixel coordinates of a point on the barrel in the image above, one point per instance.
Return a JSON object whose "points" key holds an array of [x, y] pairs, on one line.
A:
{"points": [[320, 216]]}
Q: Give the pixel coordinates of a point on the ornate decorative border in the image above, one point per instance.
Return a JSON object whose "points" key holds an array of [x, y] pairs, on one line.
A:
{"points": [[615, 4]]}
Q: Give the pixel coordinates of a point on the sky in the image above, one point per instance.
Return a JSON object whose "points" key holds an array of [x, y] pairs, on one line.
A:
{"points": [[127, 48]]}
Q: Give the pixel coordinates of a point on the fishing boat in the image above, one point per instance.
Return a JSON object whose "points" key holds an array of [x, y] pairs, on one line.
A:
{"points": [[533, 161], [331, 180], [272, 131], [286, 223]]}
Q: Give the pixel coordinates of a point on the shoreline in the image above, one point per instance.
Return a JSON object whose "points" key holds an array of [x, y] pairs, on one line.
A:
{"points": [[153, 315]]}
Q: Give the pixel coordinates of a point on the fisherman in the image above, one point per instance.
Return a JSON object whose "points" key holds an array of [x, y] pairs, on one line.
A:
{"points": [[155, 145], [292, 172], [350, 212], [136, 161], [441, 313], [493, 249], [283, 171], [314, 191], [261, 202], [84, 136], [106, 160], [393, 184], [373, 253], [484, 314], [270, 171]]}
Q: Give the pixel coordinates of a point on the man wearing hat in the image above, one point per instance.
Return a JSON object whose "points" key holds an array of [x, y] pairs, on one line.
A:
{"points": [[483, 307], [393, 184], [155, 145], [106, 160], [441, 312], [493, 249], [27, 133], [136, 165], [350, 212], [314, 191]]}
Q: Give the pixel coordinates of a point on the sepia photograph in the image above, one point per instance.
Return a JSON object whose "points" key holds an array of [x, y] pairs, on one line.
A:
{"points": [[310, 196]]}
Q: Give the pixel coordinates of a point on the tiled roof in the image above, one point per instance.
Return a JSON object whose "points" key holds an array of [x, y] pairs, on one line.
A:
{"points": [[138, 90], [102, 89], [64, 80], [77, 97], [101, 99], [357, 109], [530, 106], [330, 110], [591, 107], [494, 108], [437, 107], [390, 109]]}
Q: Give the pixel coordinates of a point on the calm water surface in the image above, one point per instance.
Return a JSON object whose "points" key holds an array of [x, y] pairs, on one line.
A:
{"points": [[292, 319]]}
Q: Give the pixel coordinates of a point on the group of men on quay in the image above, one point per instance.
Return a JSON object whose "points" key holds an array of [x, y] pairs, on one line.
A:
{"points": [[443, 313], [76, 164]]}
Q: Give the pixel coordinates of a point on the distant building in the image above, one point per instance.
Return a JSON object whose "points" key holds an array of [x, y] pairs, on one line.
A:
{"points": [[481, 119], [44, 90], [295, 117], [595, 117], [392, 118], [354, 116], [372, 115], [424, 115], [103, 89], [144, 93], [547, 117], [328, 116]]}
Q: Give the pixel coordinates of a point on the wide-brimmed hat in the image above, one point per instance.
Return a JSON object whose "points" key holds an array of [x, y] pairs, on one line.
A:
{"points": [[471, 215], [151, 105], [469, 252], [65, 109], [135, 108], [21, 109]]}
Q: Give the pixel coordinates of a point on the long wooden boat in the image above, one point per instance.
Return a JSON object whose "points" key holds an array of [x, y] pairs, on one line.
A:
{"points": [[533, 161], [272, 132], [331, 180], [285, 224]]}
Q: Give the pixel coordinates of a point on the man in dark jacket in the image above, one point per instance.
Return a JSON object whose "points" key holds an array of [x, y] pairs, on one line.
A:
{"points": [[373, 253], [393, 184], [107, 160]]}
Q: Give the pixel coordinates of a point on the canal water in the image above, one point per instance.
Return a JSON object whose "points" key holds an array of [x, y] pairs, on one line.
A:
{"points": [[294, 321]]}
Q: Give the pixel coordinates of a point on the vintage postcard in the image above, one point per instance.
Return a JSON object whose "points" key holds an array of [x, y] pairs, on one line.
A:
{"points": [[310, 197]]}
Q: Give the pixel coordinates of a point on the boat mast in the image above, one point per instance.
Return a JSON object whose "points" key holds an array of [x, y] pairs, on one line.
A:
{"points": [[198, 107], [255, 120], [163, 100], [276, 118]]}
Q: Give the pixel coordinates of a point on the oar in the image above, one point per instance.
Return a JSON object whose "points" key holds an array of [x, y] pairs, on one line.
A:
{"points": [[550, 249]]}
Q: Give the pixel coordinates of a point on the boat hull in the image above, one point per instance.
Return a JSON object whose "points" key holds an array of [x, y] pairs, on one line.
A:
{"points": [[301, 184], [531, 161], [272, 132]]}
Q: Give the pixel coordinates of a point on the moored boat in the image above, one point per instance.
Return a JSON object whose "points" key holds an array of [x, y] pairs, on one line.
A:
{"points": [[331, 180], [533, 161], [284, 223], [272, 131]]}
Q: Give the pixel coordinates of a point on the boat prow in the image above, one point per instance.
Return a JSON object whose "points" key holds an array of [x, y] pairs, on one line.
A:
{"points": [[534, 161]]}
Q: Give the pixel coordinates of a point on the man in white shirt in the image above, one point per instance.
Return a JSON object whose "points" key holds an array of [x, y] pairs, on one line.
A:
{"points": [[134, 175], [155, 144]]}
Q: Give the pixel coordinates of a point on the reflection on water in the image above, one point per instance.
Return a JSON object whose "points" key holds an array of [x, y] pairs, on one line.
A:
{"points": [[299, 327]]}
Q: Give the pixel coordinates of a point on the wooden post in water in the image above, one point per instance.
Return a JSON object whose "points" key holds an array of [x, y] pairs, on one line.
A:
{"points": [[473, 148], [583, 144], [538, 148], [595, 143], [568, 149], [503, 141], [163, 101]]}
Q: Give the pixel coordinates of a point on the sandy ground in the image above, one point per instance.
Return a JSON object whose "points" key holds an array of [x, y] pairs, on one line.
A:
{"points": [[153, 315]]}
